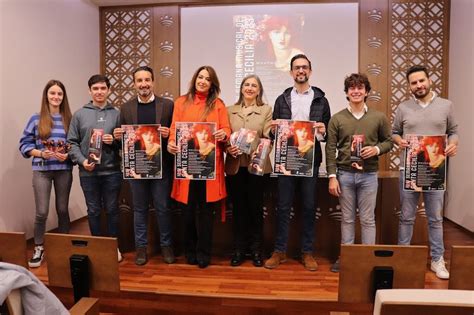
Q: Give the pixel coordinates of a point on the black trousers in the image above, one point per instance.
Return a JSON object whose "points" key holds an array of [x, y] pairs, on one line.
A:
{"points": [[246, 193], [198, 222]]}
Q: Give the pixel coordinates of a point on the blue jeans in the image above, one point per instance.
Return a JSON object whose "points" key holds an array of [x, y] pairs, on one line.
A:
{"points": [[286, 193], [434, 201], [143, 192], [358, 191], [102, 192]]}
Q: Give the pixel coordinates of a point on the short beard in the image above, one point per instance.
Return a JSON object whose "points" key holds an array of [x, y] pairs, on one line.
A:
{"points": [[304, 81], [418, 96], [144, 93]]}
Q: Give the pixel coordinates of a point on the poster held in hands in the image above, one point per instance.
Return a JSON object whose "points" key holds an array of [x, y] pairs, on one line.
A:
{"points": [[142, 152], [243, 139], [196, 157], [425, 163], [294, 148], [357, 143], [95, 146], [259, 157]]}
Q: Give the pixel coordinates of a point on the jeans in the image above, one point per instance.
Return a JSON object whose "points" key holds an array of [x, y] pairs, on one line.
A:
{"points": [[42, 183], [286, 193], [246, 193], [143, 192], [358, 191], [198, 222], [102, 192], [434, 201]]}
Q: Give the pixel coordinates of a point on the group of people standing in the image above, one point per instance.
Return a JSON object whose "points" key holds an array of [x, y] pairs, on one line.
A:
{"points": [[426, 113]]}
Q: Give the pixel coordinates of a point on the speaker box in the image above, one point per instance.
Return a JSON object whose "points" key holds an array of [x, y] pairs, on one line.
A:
{"points": [[79, 275], [383, 278]]}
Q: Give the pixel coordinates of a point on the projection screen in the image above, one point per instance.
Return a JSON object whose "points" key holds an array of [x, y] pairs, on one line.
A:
{"points": [[261, 39]]}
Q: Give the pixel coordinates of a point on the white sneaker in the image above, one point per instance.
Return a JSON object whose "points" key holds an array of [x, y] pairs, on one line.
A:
{"points": [[37, 258], [119, 255], [439, 267]]}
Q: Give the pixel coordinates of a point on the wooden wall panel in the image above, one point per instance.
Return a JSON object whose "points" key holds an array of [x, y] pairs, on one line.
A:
{"points": [[419, 34], [373, 54], [166, 51], [126, 44]]}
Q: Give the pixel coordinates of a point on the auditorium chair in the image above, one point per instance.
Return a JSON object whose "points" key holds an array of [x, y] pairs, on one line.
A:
{"points": [[461, 268], [13, 251]]}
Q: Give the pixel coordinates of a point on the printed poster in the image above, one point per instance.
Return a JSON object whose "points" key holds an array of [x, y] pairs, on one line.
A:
{"points": [[196, 157], [95, 146], [294, 149], [259, 157], [357, 143], [142, 152], [425, 163]]}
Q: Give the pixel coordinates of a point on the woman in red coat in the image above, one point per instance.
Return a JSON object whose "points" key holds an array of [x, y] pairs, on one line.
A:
{"points": [[200, 104]]}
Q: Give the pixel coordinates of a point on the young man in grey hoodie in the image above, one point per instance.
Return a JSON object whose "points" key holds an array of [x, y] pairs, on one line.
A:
{"points": [[101, 180]]}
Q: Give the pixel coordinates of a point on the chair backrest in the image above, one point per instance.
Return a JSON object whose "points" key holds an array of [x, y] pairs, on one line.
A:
{"points": [[356, 276], [102, 256], [461, 268], [13, 248], [424, 302]]}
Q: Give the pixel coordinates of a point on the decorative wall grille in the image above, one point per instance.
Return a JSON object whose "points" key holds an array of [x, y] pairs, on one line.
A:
{"points": [[418, 36], [127, 44]]}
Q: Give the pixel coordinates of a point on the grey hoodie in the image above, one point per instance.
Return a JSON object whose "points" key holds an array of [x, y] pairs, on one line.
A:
{"points": [[83, 121]]}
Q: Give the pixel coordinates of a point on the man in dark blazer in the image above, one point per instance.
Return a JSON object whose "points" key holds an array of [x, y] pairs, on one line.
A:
{"points": [[147, 109]]}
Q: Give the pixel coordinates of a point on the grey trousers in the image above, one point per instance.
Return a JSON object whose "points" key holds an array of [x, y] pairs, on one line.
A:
{"points": [[42, 182]]}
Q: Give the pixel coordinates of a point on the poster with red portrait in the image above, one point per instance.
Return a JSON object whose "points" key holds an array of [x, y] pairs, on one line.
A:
{"points": [[259, 157], [141, 149], [294, 148], [95, 146], [243, 139], [425, 163], [357, 143], [196, 157]]}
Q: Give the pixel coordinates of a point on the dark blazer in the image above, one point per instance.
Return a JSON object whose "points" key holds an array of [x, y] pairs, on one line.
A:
{"points": [[164, 115], [319, 112]]}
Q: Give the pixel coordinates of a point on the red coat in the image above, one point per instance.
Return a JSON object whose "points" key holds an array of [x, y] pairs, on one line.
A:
{"points": [[215, 189]]}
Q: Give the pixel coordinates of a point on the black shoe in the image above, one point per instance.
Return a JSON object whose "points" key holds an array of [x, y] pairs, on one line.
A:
{"points": [[168, 255], [141, 257], [191, 259], [257, 260], [237, 259], [203, 263]]}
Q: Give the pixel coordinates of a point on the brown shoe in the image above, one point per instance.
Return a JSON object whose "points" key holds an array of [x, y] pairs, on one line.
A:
{"points": [[274, 261], [309, 262], [141, 257], [168, 255]]}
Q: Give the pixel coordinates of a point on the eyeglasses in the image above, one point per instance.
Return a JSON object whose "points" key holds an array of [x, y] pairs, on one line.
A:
{"points": [[305, 67]]}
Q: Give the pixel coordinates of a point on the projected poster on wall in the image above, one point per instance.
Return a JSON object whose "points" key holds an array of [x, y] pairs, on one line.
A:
{"points": [[261, 39], [265, 44]]}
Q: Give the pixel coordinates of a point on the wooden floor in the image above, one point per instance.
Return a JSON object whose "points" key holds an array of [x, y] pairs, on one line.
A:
{"points": [[289, 282]]}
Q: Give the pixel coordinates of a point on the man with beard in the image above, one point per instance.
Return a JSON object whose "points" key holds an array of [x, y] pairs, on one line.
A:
{"points": [[148, 109], [424, 114], [307, 103]]}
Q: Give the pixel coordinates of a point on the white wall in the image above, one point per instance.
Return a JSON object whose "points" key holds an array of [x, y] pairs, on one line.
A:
{"points": [[460, 197], [40, 40]]}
